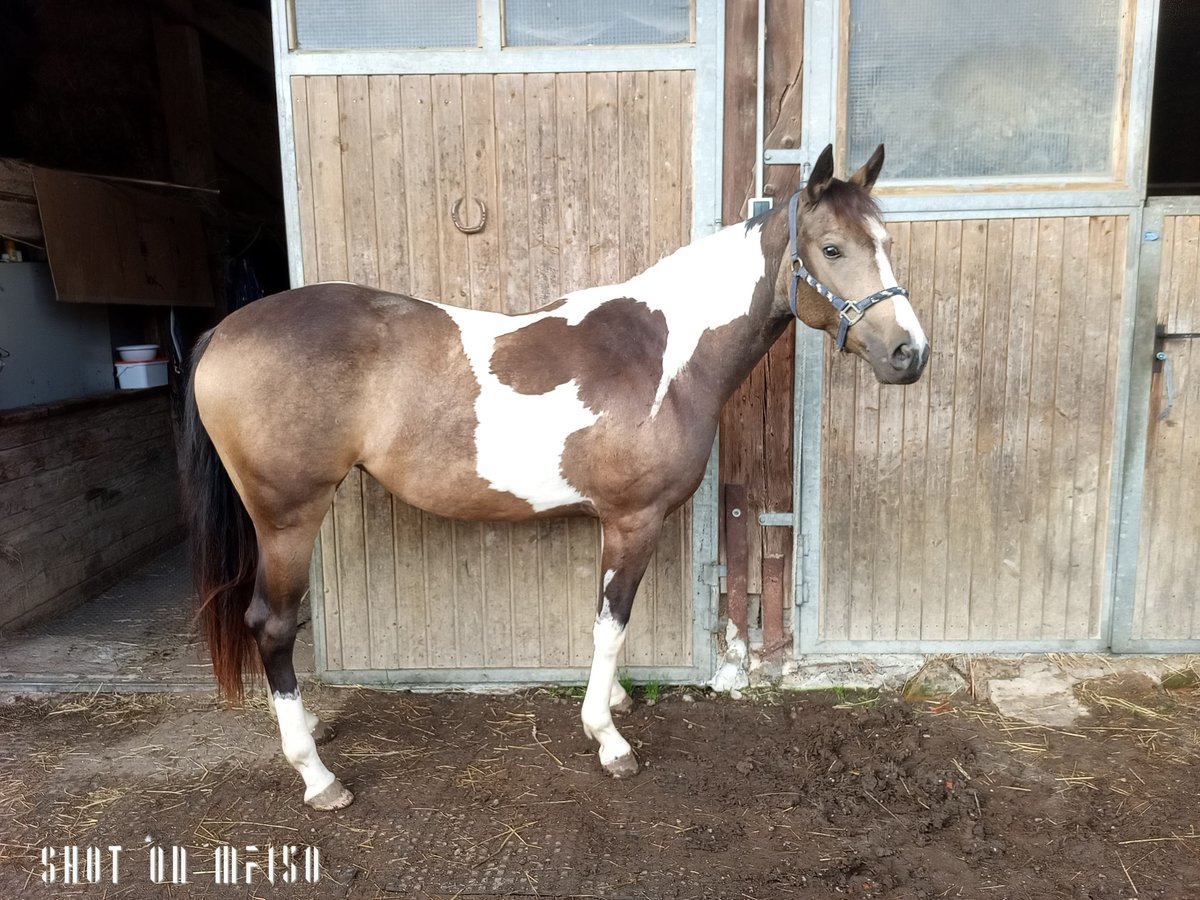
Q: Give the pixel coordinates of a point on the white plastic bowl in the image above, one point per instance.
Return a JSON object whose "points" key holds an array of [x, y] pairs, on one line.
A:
{"points": [[138, 352]]}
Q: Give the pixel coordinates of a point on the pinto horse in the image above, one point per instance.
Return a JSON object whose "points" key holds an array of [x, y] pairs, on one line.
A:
{"points": [[604, 403]]}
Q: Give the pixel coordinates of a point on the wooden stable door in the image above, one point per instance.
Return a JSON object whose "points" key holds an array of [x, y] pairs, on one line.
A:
{"points": [[586, 179], [1166, 602], [971, 509]]}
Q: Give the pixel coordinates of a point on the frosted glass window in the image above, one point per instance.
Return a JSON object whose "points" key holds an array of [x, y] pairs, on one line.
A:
{"points": [[386, 24], [575, 23], [999, 89]]}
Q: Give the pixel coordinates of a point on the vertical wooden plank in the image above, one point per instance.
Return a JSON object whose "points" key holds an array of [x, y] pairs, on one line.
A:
{"points": [[440, 561], [941, 375], [571, 134], [687, 104], [421, 188], [672, 615], [468, 592], [382, 612], [836, 485], [482, 183], [1084, 592], [1015, 502], [736, 557], [1036, 559], [526, 606], [542, 162], [1065, 425], [355, 130], [863, 500], [512, 208], [666, 170], [962, 515], [354, 621], [1116, 307], [304, 177], [333, 595], [412, 613], [498, 599], [604, 177], [634, 130], [583, 542], [917, 273], [387, 166], [993, 368], [553, 550], [891, 511], [326, 154]]}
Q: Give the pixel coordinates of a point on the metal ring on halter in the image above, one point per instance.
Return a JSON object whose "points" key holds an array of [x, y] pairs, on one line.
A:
{"points": [[857, 308], [468, 229]]}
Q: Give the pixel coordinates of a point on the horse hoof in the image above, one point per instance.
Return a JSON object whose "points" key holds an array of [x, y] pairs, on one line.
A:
{"points": [[333, 797], [323, 733], [624, 708], [623, 766]]}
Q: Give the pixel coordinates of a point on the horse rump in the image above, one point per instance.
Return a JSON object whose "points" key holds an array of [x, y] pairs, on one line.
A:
{"points": [[222, 545]]}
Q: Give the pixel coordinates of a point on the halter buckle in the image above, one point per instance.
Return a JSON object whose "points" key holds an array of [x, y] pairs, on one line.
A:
{"points": [[851, 313]]}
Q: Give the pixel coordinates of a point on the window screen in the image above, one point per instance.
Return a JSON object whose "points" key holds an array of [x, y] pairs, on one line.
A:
{"points": [[574, 23], [385, 24], [985, 88]]}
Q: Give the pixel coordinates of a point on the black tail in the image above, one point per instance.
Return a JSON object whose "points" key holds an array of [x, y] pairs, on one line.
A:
{"points": [[223, 545]]}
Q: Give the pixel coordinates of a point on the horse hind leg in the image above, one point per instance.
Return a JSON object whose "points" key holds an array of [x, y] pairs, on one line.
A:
{"points": [[628, 545], [280, 586]]}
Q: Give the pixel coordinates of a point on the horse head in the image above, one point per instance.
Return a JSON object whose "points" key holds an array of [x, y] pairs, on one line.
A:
{"points": [[838, 277]]}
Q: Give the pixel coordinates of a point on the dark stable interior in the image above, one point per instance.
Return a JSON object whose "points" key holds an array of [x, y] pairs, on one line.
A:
{"points": [[1175, 115]]}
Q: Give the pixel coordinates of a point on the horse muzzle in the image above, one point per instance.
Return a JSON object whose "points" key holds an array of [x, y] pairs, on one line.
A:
{"points": [[903, 365]]}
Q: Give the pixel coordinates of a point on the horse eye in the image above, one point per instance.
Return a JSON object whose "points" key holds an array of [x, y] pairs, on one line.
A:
{"points": [[831, 252]]}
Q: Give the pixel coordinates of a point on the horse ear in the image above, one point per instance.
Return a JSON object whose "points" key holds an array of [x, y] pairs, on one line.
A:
{"points": [[870, 171], [822, 174]]}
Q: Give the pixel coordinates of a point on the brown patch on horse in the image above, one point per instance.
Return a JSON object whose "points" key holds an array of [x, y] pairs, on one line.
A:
{"points": [[626, 464], [614, 354], [340, 369]]}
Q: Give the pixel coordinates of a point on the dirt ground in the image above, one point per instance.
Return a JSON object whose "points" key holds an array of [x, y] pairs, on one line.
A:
{"points": [[469, 796]]}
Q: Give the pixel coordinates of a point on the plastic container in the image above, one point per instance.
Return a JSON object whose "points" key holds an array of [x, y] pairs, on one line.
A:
{"points": [[145, 374], [138, 352]]}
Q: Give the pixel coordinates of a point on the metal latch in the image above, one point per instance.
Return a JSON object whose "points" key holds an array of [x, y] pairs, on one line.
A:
{"points": [[1167, 370], [776, 518]]}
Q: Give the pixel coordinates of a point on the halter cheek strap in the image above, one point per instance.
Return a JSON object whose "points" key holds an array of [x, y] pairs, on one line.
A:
{"points": [[849, 311]]}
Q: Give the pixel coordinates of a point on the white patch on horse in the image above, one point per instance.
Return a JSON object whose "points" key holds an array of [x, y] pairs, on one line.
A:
{"points": [[519, 438], [608, 577], [608, 636], [699, 287], [298, 744], [906, 317]]}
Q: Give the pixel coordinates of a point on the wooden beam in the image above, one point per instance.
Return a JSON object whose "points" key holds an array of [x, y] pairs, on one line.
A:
{"points": [[19, 217], [184, 101]]}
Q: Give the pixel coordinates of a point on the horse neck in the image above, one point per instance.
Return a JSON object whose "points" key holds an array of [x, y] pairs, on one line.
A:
{"points": [[720, 295]]}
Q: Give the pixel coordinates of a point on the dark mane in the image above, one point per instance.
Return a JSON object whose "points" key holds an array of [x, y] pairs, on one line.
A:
{"points": [[850, 202]]}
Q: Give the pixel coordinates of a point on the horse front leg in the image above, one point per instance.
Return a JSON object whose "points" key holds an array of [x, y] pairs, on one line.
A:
{"points": [[628, 545]]}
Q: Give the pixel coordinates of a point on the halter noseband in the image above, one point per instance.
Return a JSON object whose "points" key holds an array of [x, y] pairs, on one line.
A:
{"points": [[849, 311]]}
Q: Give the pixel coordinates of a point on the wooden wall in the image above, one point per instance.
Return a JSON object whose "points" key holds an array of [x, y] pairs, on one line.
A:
{"points": [[587, 180], [974, 504], [88, 490], [1168, 585], [756, 429]]}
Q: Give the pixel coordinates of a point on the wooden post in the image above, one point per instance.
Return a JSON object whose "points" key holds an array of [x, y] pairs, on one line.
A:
{"points": [[772, 606], [736, 555]]}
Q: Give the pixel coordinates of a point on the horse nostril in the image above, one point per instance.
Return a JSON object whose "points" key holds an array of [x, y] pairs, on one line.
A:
{"points": [[902, 357]]}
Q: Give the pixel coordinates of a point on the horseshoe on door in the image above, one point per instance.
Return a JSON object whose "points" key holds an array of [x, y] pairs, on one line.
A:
{"points": [[458, 223]]}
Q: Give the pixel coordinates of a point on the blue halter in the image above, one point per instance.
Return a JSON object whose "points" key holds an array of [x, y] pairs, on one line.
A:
{"points": [[849, 311]]}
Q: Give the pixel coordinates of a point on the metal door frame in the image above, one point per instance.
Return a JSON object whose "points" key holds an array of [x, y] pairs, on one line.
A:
{"points": [[706, 58], [1137, 434]]}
